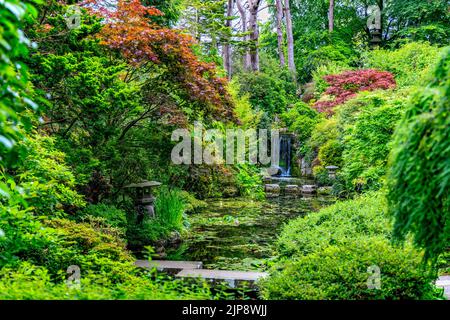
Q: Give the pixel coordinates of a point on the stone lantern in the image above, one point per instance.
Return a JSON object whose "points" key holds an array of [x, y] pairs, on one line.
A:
{"points": [[144, 199], [376, 38], [332, 171]]}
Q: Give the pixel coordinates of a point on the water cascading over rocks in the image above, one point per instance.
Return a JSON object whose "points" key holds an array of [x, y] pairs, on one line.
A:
{"points": [[285, 155]]}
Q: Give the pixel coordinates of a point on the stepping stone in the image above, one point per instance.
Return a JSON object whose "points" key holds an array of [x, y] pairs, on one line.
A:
{"points": [[169, 266], [233, 278], [309, 188], [272, 188], [291, 189]]}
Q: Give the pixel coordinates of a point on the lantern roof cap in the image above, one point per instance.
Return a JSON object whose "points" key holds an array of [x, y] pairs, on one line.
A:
{"points": [[331, 167], [144, 184]]}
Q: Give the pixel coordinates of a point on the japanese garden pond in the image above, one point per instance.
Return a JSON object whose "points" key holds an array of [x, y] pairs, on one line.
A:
{"points": [[238, 233]]}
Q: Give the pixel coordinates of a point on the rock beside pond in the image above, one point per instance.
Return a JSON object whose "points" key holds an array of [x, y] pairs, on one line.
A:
{"points": [[292, 189], [272, 190], [309, 189]]}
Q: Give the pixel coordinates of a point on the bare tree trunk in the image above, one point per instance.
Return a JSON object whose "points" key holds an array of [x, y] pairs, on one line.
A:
{"points": [[227, 47], [254, 35], [279, 6], [290, 37], [331, 16], [243, 13]]}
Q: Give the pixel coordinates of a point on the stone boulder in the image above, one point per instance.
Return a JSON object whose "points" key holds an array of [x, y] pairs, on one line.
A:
{"points": [[272, 190], [309, 189], [292, 190]]}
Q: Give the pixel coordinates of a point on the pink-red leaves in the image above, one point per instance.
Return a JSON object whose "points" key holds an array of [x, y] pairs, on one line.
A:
{"points": [[130, 30], [346, 85]]}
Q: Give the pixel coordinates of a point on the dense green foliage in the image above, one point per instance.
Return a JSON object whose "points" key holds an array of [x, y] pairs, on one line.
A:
{"points": [[270, 90], [410, 64], [420, 173], [357, 138], [88, 104], [46, 224], [14, 87], [326, 255]]}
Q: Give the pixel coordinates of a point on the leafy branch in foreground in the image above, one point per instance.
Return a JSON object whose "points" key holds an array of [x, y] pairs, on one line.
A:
{"points": [[419, 189]]}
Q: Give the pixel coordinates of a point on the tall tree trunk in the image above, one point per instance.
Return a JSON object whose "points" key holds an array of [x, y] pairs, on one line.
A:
{"points": [[331, 16], [227, 47], [290, 37], [279, 6], [254, 35], [243, 13]]}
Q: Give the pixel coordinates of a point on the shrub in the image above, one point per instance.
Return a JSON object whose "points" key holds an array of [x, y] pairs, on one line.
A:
{"points": [[410, 64], [300, 119], [341, 272], [369, 123], [15, 89], [191, 203], [265, 92], [320, 84], [326, 255], [22, 234], [419, 179], [93, 246], [48, 182], [331, 153], [112, 215], [249, 182], [332, 225], [33, 282], [248, 117], [443, 262], [346, 85], [358, 139], [335, 51]]}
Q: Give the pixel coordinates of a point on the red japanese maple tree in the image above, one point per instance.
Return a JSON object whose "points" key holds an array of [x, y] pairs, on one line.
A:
{"points": [[130, 30], [346, 85]]}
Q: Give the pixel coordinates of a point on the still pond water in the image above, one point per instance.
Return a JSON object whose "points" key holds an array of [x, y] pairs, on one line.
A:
{"points": [[238, 234]]}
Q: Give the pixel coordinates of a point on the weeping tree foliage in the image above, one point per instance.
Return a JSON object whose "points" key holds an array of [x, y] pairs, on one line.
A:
{"points": [[419, 190], [15, 99]]}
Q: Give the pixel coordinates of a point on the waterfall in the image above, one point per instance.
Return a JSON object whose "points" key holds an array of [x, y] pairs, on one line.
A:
{"points": [[285, 155]]}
